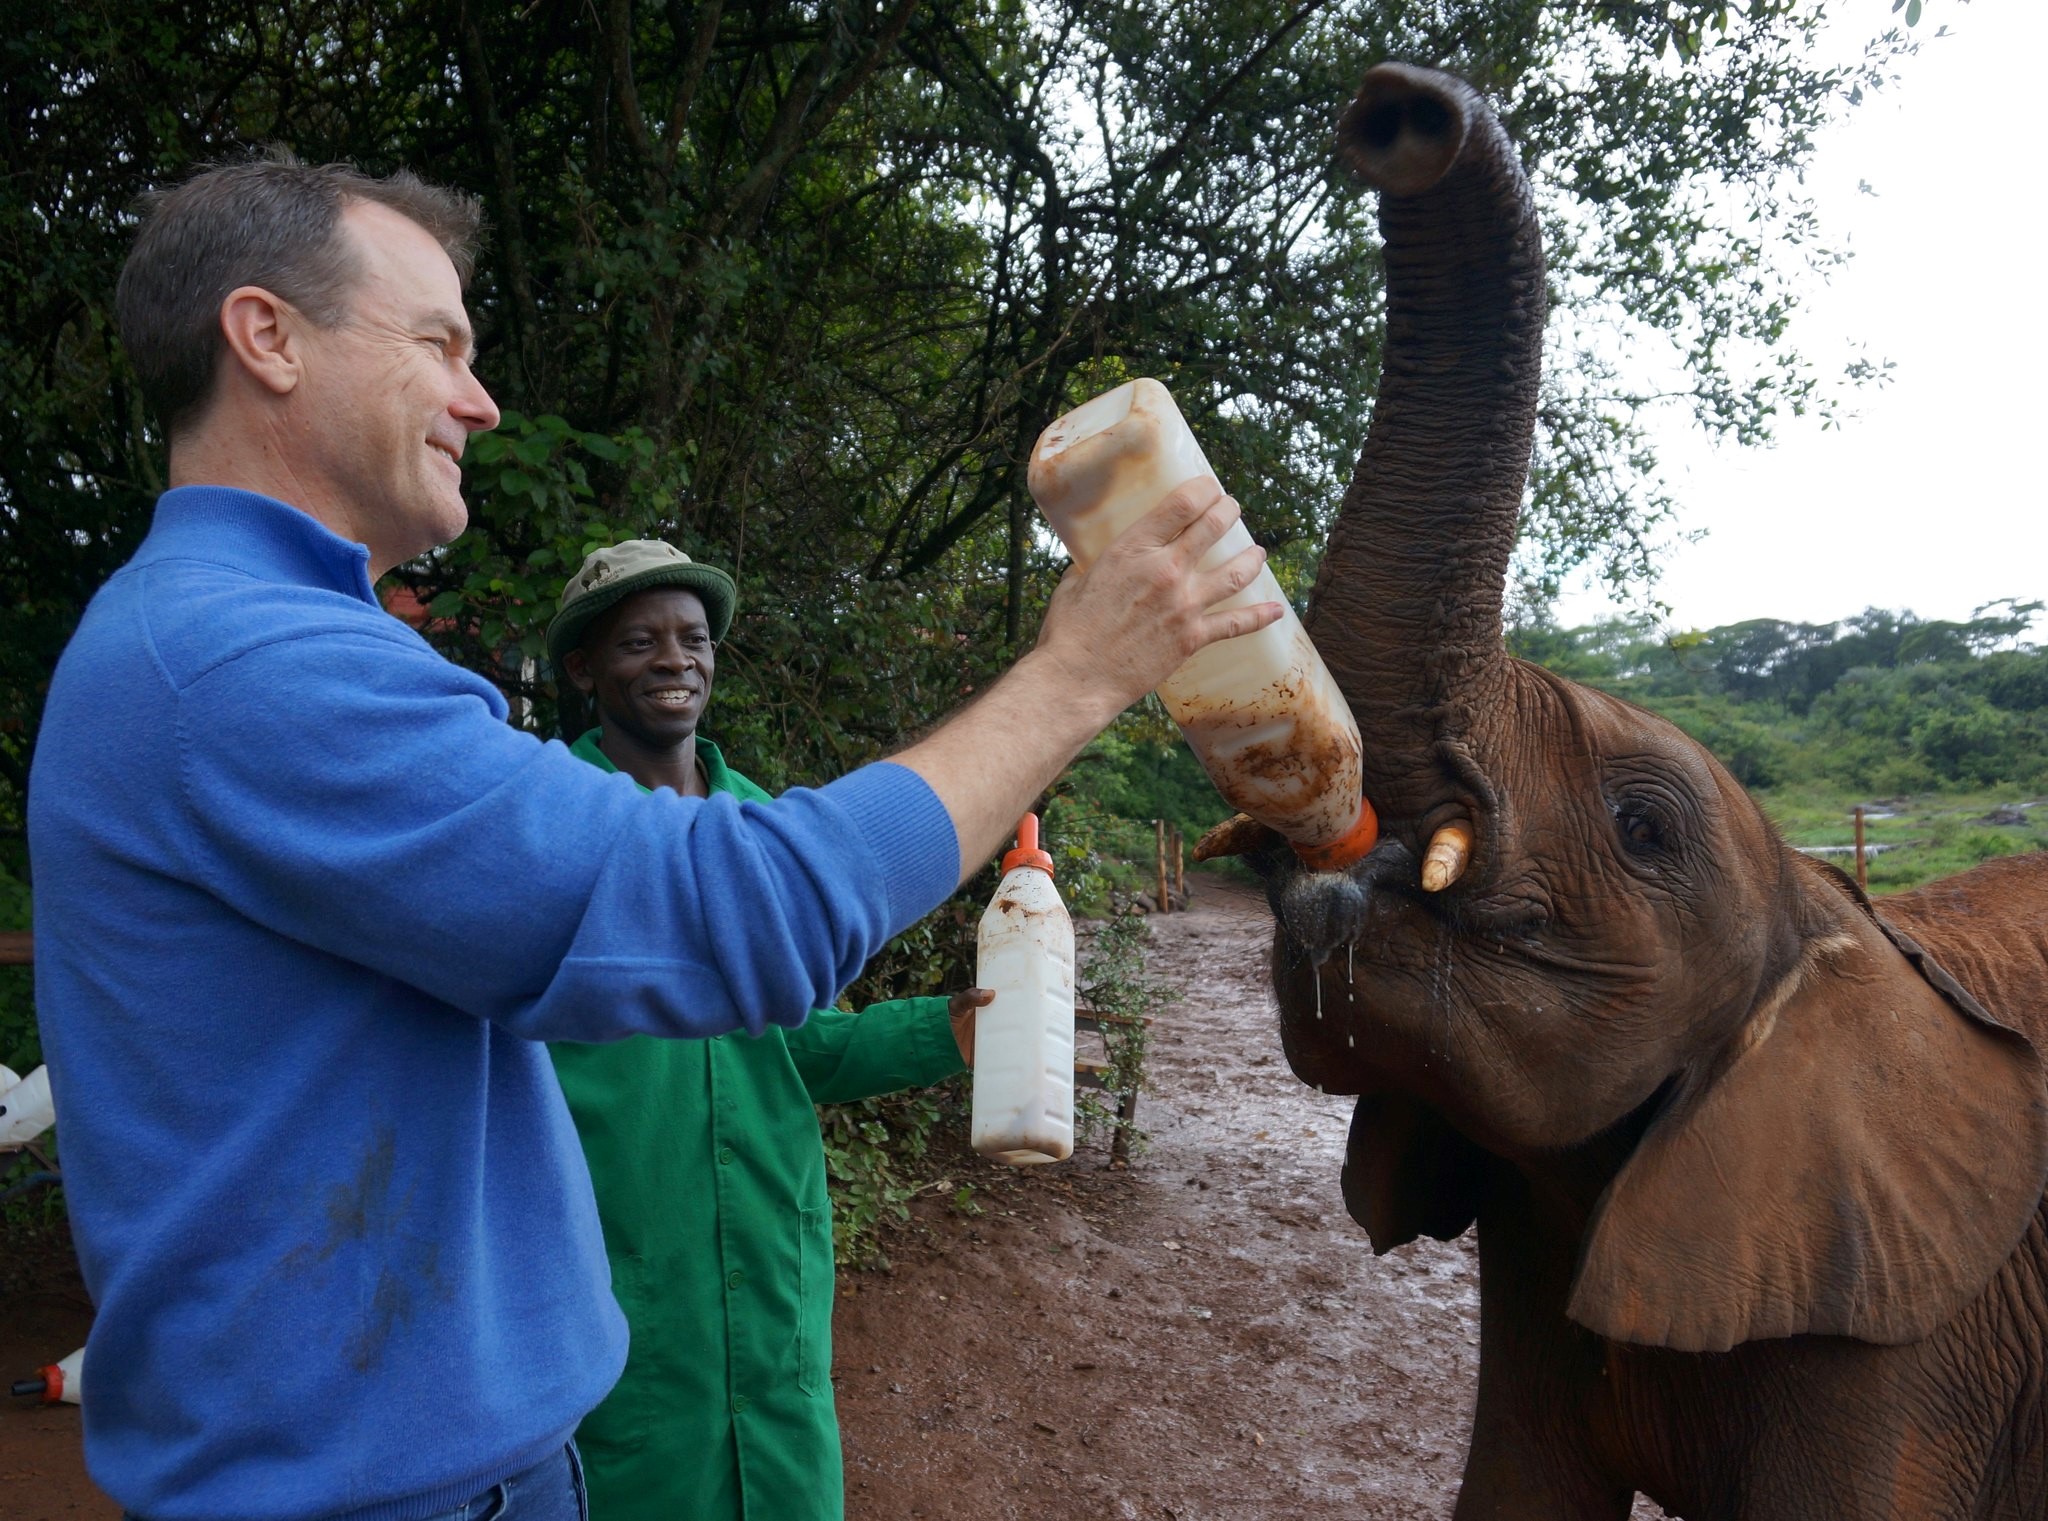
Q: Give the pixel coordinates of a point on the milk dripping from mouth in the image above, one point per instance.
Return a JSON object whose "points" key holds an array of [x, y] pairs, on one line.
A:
{"points": [[1261, 711], [1024, 1039]]}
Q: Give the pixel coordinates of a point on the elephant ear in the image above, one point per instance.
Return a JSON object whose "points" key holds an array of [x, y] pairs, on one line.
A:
{"points": [[1408, 1172], [1859, 1164]]}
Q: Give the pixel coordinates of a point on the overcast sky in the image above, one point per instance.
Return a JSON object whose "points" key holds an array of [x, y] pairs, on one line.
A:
{"points": [[1929, 498]]}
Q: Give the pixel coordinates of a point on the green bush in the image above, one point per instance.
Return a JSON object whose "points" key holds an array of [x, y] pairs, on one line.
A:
{"points": [[1115, 981], [1758, 755], [874, 1155], [881, 1153], [1965, 740], [1896, 774], [1883, 700], [2015, 680]]}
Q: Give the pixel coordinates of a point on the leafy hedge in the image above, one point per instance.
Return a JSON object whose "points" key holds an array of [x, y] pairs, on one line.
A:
{"points": [[1884, 701], [880, 1153]]}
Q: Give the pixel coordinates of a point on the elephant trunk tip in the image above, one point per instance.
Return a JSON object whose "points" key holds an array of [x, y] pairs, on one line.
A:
{"points": [[1405, 128]]}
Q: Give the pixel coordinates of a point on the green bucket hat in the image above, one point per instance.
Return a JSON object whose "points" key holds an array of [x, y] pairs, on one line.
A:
{"points": [[609, 576]]}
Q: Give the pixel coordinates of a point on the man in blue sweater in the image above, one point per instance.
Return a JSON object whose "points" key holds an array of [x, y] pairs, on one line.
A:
{"points": [[306, 904]]}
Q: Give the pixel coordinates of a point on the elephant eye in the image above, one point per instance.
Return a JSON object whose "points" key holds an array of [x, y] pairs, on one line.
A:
{"points": [[1639, 829]]}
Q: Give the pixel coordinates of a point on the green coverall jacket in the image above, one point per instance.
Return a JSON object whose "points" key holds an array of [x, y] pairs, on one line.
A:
{"points": [[710, 1179]]}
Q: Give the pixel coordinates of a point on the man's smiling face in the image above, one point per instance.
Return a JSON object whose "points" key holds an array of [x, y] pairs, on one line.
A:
{"points": [[647, 667], [388, 402]]}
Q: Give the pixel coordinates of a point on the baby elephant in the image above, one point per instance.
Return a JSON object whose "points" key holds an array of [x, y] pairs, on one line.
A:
{"points": [[1756, 1165]]}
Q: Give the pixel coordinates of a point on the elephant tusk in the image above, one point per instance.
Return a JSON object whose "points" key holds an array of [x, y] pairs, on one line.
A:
{"points": [[1450, 848], [1239, 835]]}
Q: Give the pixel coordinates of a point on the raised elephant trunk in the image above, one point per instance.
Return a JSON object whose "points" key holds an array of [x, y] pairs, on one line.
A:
{"points": [[1407, 608]]}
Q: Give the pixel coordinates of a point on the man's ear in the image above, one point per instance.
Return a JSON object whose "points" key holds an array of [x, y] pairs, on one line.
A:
{"points": [[576, 666], [263, 333]]}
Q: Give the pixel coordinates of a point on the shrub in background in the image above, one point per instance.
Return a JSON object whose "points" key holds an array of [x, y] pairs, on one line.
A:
{"points": [[880, 1153]]}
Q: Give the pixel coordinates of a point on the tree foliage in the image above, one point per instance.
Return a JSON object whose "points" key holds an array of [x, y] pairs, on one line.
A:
{"points": [[1884, 700], [797, 284]]}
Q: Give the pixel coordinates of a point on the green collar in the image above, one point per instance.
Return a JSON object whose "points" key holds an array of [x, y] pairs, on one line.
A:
{"points": [[716, 776]]}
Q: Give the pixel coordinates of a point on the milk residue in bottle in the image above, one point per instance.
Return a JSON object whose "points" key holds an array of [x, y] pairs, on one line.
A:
{"points": [[1261, 711], [1024, 1040]]}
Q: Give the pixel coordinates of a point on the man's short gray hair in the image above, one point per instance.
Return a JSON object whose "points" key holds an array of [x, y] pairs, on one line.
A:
{"points": [[271, 222]]}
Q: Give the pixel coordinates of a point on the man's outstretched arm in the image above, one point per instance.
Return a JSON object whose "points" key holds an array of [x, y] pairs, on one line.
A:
{"points": [[1112, 634]]}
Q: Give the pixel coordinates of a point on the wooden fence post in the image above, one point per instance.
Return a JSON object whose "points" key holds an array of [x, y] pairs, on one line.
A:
{"points": [[1159, 852], [1862, 878], [1180, 866]]}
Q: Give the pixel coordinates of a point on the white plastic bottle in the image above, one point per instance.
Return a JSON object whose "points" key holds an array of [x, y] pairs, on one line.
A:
{"points": [[1024, 1040], [1261, 711], [25, 1107], [60, 1382]]}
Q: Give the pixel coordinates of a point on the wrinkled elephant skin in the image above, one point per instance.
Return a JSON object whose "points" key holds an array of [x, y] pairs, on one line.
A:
{"points": [[1756, 1168]]}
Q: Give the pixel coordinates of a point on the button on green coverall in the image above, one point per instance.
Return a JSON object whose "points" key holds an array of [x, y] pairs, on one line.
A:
{"points": [[710, 1179]]}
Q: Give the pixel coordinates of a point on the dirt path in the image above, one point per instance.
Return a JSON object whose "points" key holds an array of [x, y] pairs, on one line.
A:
{"points": [[44, 1314], [1207, 1336], [1204, 1337]]}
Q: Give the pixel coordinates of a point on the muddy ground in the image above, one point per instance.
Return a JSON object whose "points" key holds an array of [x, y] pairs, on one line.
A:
{"points": [[1202, 1336], [44, 1314]]}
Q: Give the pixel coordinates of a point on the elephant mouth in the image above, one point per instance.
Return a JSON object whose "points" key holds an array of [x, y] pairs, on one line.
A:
{"points": [[1383, 896], [1318, 911]]}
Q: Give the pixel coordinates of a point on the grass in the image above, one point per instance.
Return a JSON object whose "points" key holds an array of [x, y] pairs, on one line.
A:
{"points": [[1932, 834]]}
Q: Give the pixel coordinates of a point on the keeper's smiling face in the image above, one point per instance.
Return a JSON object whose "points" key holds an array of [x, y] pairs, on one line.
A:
{"points": [[647, 666]]}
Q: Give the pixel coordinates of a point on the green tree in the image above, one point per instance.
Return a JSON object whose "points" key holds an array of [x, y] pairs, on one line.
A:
{"points": [[797, 285], [1887, 700]]}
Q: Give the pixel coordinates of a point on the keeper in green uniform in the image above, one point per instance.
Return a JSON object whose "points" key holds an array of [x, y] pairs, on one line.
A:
{"points": [[705, 1154]]}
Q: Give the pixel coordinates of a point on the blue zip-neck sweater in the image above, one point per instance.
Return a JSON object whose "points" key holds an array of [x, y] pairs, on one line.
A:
{"points": [[305, 905]]}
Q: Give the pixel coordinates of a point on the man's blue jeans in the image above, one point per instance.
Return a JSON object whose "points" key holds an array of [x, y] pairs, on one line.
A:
{"points": [[551, 1490]]}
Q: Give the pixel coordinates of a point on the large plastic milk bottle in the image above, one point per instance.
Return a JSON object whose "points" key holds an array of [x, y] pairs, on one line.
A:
{"points": [[1261, 711], [1024, 1040]]}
